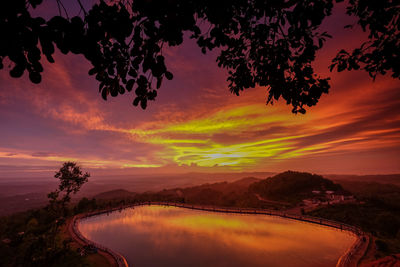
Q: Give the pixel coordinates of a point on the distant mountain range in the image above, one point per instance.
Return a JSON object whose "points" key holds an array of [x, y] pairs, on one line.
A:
{"points": [[282, 190], [116, 194], [218, 189]]}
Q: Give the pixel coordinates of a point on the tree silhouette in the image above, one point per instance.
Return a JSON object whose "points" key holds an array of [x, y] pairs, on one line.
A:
{"points": [[265, 43], [71, 180]]}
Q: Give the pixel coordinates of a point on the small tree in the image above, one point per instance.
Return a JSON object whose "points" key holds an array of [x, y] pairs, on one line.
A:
{"points": [[42, 244], [71, 180]]}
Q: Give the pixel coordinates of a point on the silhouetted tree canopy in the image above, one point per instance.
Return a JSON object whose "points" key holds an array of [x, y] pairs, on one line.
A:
{"points": [[71, 178], [261, 43]]}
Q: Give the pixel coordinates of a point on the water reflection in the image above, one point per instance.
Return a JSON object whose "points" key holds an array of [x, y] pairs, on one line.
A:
{"points": [[170, 236]]}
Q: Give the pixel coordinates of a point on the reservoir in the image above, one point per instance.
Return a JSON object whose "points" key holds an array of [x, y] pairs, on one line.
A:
{"points": [[172, 236]]}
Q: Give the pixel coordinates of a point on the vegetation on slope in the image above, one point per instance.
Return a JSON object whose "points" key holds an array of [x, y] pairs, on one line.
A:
{"points": [[234, 194], [378, 213], [35, 238], [27, 240], [292, 186]]}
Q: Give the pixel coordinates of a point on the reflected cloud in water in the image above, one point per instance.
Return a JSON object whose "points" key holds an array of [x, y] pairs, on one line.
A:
{"points": [[170, 236]]}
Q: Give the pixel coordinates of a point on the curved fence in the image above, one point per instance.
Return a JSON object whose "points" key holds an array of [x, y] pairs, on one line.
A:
{"points": [[352, 256], [346, 260], [119, 259]]}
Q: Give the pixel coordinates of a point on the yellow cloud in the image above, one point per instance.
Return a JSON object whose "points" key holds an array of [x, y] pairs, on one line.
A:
{"points": [[191, 142]]}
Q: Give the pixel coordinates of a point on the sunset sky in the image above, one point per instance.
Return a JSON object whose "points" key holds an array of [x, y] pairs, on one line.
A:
{"points": [[196, 124]]}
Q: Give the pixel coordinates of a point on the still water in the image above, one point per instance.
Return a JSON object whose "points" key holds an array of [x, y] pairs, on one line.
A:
{"points": [[171, 236]]}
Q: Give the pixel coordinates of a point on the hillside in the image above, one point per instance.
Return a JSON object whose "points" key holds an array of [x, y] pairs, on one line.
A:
{"points": [[292, 186], [221, 194], [239, 186], [245, 182], [280, 191], [370, 189], [115, 194], [23, 202]]}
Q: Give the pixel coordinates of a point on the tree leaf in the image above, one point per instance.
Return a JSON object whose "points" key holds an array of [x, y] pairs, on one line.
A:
{"points": [[129, 85], [169, 75]]}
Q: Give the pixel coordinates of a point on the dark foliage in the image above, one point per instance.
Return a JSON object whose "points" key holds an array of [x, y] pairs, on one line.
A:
{"points": [[378, 213], [381, 53], [35, 236], [31, 242], [85, 205], [71, 180], [292, 186], [270, 44]]}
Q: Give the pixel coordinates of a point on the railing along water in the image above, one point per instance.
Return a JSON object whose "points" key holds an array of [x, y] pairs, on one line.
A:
{"points": [[119, 259], [345, 260]]}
